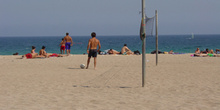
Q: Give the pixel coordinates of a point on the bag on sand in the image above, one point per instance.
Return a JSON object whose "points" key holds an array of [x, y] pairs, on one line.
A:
{"points": [[137, 52]]}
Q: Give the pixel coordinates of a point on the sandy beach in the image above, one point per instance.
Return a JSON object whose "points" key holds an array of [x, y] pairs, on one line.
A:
{"points": [[179, 82]]}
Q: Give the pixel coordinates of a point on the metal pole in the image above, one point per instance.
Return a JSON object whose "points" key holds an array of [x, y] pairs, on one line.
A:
{"points": [[156, 37], [143, 45]]}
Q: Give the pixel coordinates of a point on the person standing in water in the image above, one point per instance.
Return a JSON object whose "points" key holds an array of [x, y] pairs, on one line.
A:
{"points": [[69, 43], [92, 49]]}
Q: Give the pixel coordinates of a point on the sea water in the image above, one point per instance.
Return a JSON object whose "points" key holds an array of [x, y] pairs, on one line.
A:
{"points": [[177, 43]]}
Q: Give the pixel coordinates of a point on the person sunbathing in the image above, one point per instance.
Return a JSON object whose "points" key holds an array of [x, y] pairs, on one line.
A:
{"points": [[171, 52], [205, 52], [111, 51], [209, 54], [33, 54], [43, 53]]}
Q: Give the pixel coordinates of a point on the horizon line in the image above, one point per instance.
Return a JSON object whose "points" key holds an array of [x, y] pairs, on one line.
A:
{"points": [[98, 35]]}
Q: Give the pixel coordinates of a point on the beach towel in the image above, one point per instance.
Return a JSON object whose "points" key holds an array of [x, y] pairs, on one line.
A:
{"points": [[53, 55]]}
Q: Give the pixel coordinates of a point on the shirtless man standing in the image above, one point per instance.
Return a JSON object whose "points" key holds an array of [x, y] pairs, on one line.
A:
{"points": [[92, 49], [69, 43]]}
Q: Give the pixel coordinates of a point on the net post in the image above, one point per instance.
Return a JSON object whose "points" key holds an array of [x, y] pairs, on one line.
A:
{"points": [[143, 45], [156, 31]]}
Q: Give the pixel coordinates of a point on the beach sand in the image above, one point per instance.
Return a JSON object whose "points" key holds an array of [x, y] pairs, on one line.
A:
{"points": [[179, 82]]}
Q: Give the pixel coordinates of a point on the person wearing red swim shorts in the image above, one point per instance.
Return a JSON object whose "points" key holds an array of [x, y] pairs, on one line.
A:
{"points": [[62, 46]]}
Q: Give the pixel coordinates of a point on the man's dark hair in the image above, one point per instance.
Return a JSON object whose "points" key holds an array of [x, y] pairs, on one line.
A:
{"points": [[67, 33], [125, 44], [93, 34], [33, 47], [43, 47], [62, 38]]}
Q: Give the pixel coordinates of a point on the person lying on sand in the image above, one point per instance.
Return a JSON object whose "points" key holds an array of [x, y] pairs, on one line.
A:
{"points": [[56, 55], [171, 52], [200, 55], [43, 53], [111, 51], [206, 55], [205, 52]]}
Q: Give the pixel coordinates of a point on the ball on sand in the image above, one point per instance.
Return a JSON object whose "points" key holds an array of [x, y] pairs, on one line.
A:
{"points": [[82, 66]]}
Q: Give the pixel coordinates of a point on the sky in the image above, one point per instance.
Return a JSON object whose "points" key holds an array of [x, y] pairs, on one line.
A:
{"points": [[106, 17]]}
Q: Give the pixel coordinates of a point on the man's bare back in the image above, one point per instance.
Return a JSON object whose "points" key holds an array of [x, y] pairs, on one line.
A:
{"points": [[69, 43], [93, 42], [68, 39]]}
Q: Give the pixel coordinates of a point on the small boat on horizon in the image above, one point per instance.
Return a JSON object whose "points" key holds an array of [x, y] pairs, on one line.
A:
{"points": [[192, 37]]}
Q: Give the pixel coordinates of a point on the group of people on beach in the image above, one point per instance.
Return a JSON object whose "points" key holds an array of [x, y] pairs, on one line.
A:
{"points": [[42, 54], [66, 44], [207, 53]]}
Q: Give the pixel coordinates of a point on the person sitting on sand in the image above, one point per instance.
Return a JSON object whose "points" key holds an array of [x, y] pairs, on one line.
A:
{"points": [[43, 52], [197, 51], [33, 50], [211, 51], [126, 51], [111, 51]]}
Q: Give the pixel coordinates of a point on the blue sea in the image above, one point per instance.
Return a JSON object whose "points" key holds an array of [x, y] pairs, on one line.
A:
{"points": [[177, 43]]}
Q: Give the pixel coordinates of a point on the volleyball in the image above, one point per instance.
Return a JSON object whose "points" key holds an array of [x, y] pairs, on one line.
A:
{"points": [[82, 66]]}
